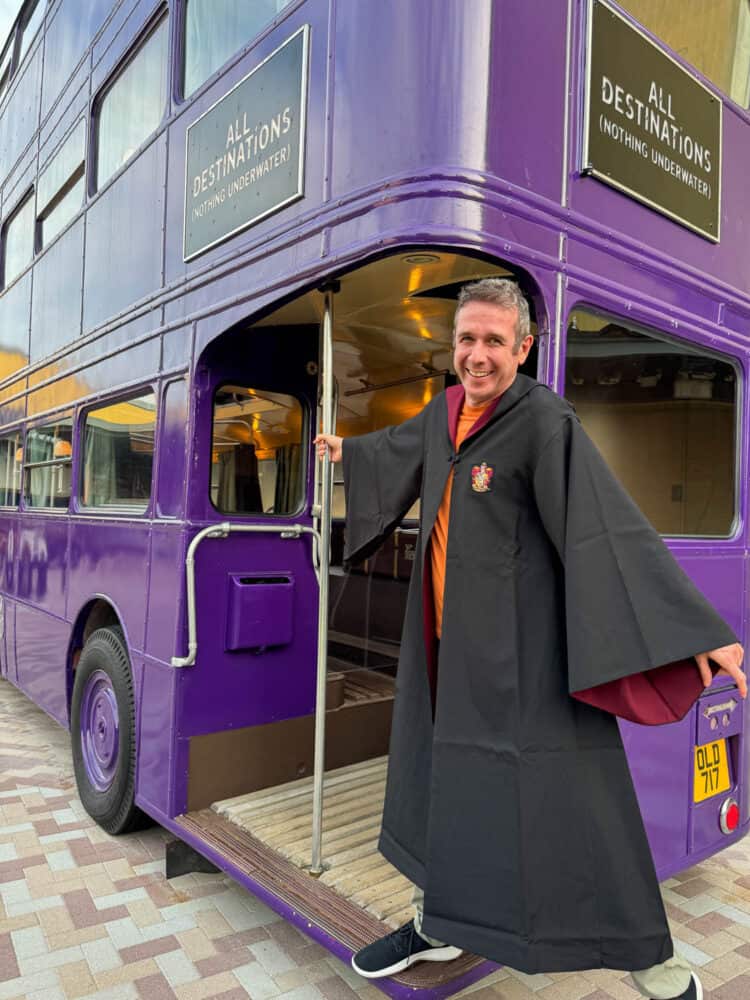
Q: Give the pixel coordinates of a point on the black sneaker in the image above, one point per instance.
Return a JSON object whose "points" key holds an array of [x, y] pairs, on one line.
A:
{"points": [[397, 951], [694, 990]]}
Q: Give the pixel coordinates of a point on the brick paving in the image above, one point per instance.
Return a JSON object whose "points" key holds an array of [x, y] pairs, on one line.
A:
{"points": [[83, 914]]}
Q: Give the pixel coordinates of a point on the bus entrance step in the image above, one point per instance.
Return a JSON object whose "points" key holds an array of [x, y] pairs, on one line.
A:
{"points": [[310, 902], [183, 860]]}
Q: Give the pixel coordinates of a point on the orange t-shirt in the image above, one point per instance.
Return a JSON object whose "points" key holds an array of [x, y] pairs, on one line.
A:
{"points": [[439, 537]]}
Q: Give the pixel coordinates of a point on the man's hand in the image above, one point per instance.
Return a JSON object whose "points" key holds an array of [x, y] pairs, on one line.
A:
{"points": [[330, 442], [729, 660]]}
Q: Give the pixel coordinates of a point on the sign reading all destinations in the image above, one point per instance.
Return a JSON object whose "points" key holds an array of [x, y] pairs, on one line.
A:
{"points": [[652, 129], [245, 155]]}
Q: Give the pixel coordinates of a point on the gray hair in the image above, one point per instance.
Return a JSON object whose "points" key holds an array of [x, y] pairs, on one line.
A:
{"points": [[499, 292]]}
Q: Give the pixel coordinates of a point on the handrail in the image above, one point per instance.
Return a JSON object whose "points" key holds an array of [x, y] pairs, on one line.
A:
{"points": [[326, 481], [222, 530]]}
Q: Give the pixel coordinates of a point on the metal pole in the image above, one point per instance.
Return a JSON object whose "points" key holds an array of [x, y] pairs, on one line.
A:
{"points": [[316, 863]]}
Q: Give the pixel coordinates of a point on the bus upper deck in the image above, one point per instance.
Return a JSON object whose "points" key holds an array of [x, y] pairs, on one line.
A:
{"points": [[189, 199]]}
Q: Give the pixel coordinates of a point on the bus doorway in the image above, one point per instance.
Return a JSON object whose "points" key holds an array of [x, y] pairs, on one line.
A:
{"points": [[392, 353]]}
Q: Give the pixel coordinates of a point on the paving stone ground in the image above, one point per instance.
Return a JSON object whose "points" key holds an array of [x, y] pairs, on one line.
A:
{"points": [[83, 914]]}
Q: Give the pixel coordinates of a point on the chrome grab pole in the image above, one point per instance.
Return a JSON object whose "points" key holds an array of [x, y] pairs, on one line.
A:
{"points": [[324, 553]]}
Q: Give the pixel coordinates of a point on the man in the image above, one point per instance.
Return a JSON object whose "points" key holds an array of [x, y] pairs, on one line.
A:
{"points": [[539, 596]]}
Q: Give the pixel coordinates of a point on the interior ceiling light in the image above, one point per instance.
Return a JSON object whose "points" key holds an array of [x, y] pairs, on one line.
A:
{"points": [[422, 258]]}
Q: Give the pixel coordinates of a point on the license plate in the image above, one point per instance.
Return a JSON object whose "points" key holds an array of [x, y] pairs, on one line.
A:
{"points": [[711, 770]]}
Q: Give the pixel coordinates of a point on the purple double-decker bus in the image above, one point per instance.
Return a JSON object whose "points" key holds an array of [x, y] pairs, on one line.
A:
{"points": [[227, 223]]}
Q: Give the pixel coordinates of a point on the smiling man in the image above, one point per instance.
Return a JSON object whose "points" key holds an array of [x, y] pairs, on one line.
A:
{"points": [[542, 605]]}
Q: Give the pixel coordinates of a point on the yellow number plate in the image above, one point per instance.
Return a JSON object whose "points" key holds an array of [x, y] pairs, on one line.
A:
{"points": [[711, 770]]}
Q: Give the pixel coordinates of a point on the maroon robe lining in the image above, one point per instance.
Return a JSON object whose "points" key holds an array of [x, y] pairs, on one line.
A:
{"points": [[652, 697]]}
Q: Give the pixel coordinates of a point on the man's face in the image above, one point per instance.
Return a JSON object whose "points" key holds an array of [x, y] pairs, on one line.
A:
{"points": [[484, 356]]}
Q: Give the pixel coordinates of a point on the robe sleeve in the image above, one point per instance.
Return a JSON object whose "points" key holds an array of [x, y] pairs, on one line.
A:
{"points": [[382, 479], [634, 619]]}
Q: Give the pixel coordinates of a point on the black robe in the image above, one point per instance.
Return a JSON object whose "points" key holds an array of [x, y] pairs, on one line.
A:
{"points": [[509, 799]]}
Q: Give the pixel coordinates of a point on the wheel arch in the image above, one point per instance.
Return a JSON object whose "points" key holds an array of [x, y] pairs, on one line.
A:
{"points": [[98, 612]]}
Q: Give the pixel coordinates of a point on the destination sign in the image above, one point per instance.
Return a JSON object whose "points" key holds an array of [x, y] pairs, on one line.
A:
{"points": [[245, 156], [652, 129]]}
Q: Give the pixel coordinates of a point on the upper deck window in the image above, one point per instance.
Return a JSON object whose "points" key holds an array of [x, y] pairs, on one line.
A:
{"points": [[60, 187], [216, 29], [714, 37], [32, 21], [256, 453], [5, 66], [133, 105], [664, 415], [18, 241]]}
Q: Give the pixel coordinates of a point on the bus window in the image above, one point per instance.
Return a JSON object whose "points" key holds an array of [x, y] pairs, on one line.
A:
{"points": [[47, 465], [133, 106], [5, 66], [216, 29], [11, 453], [714, 37], [60, 188], [18, 241], [31, 23], [664, 415], [256, 452], [118, 454]]}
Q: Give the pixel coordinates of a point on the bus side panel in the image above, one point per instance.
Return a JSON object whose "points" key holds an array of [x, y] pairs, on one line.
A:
{"points": [[156, 694], [165, 630], [119, 271], [41, 631], [41, 641], [111, 559], [10, 639], [660, 758]]}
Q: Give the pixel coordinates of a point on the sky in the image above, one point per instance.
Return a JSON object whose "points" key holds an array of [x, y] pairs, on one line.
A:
{"points": [[8, 11]]}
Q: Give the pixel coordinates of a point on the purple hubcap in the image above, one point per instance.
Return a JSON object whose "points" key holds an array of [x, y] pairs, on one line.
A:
{"points": [[100, 730]]}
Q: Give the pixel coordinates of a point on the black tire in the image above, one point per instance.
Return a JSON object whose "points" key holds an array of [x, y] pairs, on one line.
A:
{"points": [[111, 801]]}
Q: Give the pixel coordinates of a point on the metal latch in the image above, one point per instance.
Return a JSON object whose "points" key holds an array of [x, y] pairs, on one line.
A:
{"points": [[726, 706]]}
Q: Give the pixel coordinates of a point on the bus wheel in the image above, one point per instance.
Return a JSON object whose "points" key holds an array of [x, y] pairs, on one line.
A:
{"points": [[103, 732]]}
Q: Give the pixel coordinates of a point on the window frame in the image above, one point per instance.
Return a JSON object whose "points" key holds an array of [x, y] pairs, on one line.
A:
{"points": [[657, 333], [93, 186], [304, 453], [136, 512], [49, 421]]}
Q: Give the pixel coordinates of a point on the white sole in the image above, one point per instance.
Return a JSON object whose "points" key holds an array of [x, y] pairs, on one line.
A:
{"points": [[446, 954], [698, 987]]}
